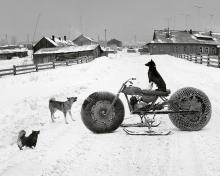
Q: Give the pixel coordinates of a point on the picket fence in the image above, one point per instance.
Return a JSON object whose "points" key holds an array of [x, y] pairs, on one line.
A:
{"points": [[23, 69], [212, 61]]}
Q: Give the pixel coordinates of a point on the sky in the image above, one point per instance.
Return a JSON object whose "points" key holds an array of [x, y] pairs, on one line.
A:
{"points": [[126, 20]]}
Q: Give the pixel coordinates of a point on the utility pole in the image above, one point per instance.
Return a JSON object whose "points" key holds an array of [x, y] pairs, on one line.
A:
{"points": [[105, 38], [35, 29], [186, 20], [198, 11], [211, 21], [135, 40], [81, 25], [168, 23], [174, 22]]}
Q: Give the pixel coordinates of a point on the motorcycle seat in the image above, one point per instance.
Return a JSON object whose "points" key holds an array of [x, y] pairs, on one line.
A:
{"points": [[156, 92]]}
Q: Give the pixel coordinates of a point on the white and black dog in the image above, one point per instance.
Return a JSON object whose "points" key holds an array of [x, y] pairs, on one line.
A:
{"points": [[62, 106]]}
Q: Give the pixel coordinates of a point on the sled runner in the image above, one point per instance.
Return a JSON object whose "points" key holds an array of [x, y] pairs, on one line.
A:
{"points": [[188, 109], [147, 132], [140, 125]]}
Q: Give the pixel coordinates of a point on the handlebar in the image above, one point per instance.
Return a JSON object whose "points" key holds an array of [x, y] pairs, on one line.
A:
{"points": [[129, 80]]}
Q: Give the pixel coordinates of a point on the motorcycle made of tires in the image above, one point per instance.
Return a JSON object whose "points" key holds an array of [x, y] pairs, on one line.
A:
{"points": [[188, 109]]}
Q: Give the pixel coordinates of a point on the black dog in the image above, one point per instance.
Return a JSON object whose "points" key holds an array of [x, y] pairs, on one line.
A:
{"points": [[155, 77], [29, 141]]}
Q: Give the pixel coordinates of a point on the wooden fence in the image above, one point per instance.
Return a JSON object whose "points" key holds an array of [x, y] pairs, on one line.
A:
{"points": [[23, 69], [212, 61]]}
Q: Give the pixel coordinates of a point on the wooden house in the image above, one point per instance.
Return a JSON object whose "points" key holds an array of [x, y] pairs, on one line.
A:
{"points": [[184, 42], [10, 51], [84, 40], [114, 42], [47, 42], [45, 55]]}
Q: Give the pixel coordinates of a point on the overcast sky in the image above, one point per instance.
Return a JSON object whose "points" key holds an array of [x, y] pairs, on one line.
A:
{"points": [[123, 19]]}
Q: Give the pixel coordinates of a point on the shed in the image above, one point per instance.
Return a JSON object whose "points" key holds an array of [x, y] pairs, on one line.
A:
{"points": [[84, 40], [46, 42], [114, 42], [64, 53], [12, 51]]}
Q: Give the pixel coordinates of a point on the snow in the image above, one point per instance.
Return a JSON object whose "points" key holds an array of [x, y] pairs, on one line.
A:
{"points": [[5, 64], [57, 42], [73, 150], [66, 49], [16, 50]]}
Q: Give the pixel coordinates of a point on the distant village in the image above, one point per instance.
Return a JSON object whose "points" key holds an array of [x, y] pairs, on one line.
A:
{"points": [[164, 41], [54, 48]]}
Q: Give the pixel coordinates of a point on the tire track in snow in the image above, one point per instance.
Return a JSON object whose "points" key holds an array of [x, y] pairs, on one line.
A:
{"points": [[184, 157]]}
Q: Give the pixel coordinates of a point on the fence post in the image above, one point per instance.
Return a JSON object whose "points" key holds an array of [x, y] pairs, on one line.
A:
{"points": [[196, 59], [67, 63], [77, 61], [208, 61], [36, 67], [218, 61], [14, 69], [54, 64]]}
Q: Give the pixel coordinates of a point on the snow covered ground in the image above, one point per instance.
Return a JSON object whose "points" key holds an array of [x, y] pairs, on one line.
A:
{"points": [[5, 64], [73, 150]]}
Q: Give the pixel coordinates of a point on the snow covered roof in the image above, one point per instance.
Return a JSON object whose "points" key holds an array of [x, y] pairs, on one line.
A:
{"points": [[196, 37], [60, 42], [15, 50], [91, 39], [66, 49]]}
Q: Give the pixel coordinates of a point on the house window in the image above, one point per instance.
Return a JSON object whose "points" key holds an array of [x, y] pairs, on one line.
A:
{"points": [[213, 50], [176, 48], [206, 50], [200, 49]]}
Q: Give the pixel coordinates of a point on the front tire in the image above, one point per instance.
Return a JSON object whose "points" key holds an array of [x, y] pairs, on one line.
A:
{"points": [[93, 112], [187, 99]]}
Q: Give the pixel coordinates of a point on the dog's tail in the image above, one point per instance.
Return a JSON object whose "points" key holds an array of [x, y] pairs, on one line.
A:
{"points": [[21, 134]]}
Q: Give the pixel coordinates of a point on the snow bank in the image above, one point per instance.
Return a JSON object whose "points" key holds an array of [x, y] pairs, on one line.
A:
{"points": [[73, 150]]}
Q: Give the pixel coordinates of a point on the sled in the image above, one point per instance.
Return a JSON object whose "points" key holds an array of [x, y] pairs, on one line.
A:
{"points": [[147, 132], [140, 125]]}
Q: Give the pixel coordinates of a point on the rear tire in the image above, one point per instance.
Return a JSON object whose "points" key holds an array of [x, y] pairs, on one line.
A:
{"points": [[190, 98], [93, 112]]}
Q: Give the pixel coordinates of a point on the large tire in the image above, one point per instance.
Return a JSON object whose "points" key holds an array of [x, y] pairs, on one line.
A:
{"points": [[93, 112], [190, 98]]}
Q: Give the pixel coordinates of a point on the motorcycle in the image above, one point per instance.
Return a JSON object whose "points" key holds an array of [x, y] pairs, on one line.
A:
{"points": [[188, 109]]}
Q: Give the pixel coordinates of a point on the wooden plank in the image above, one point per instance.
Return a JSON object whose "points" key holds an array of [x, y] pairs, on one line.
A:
{"points": [[9, 69], [21, 73], [216, 66], [25, 69], [215, 62], [45, 68], [4, 74], [29, 65]]}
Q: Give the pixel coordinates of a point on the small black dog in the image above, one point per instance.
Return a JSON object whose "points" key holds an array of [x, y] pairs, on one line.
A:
{"points": [[154, 76], [29, 141]]}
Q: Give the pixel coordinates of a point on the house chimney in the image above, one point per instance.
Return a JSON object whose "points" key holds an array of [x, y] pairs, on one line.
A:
{"points": [[210, 33], [190, 31], [53, 37], [60, 38], [64, 37]]}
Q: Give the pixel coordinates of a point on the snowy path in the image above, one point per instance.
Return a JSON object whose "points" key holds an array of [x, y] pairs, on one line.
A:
{"points": [[73, 150]]}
